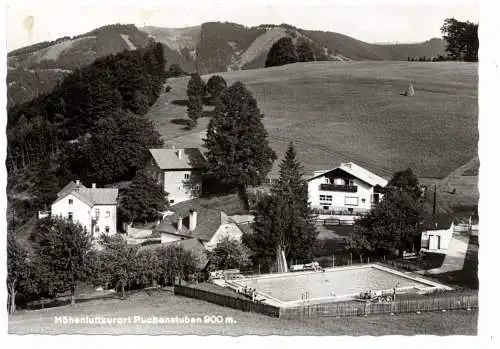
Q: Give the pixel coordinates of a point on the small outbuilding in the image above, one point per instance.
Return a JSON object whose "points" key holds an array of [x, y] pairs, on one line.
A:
{"points": [[437, 239]]}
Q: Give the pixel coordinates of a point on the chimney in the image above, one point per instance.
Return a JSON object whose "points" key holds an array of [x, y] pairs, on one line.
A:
{"points": [[193, 217], [179, 224], [93, 186], [179, 153]]}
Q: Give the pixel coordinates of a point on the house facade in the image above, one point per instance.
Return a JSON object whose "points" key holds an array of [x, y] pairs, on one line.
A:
{"points": [[94, 208], [178, 171], [348, 189]]}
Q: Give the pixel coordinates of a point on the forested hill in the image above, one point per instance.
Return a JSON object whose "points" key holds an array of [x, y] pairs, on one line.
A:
{"points": [[90, 127], [36, 69], [207, 48], [222, 46]]}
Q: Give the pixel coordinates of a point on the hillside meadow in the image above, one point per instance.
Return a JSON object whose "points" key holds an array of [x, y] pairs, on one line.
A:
{"points": [[354, 111]]}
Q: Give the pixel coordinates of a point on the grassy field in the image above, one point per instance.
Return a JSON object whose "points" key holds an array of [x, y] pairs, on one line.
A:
{"points": [[163, 304], [355, 111]]}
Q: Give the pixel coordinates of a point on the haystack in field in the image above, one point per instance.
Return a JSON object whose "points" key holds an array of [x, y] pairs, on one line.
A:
{"points": [[410, 91]]}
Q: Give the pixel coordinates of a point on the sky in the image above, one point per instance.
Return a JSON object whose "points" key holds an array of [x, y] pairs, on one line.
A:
{"points": [[373, 21]]}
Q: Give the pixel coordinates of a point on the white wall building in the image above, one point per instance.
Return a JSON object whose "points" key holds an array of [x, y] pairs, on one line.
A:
{"points": [[348, 189], [94, 208], [178, 171], [438, 238]]}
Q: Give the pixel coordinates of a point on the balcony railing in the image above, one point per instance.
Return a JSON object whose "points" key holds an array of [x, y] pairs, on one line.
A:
{"points": [[337, 187], [341, 211]]}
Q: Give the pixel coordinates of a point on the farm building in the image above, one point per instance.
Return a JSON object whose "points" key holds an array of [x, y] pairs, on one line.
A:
{"points": [[348, 189], [205, 224], [178, 171], [438, 238], [94, 208]]}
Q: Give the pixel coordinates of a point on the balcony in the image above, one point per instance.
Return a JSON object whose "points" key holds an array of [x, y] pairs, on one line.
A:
{"points": [[337, 187], [340, 211]]}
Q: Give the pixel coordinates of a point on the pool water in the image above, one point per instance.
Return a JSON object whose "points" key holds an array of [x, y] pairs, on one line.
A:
{"points": [[292, 287]]}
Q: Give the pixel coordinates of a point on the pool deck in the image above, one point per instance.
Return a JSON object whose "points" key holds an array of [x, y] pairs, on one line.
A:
{"points": [[427, 285]]}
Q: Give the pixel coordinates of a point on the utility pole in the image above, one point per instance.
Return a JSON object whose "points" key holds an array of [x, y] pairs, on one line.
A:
{"points": [[434, 204]]}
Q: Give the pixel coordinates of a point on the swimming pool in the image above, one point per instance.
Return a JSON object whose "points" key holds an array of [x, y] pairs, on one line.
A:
{"points": [[338, 283]]}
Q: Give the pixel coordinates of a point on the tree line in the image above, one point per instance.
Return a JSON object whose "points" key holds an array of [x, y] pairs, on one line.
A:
{"points": [[91, 126], [284, 51], [64, 257]]}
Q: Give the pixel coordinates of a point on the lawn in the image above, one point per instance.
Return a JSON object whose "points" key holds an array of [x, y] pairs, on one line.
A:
{"points": [[164, 304], [354, 111]]}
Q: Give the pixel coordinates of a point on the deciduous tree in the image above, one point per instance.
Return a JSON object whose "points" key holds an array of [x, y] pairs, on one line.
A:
{"points": [[305, 52], [118, 262], [215, 85], [462, 39], [144, 200], [229, 253], [282, 52], [396, 222], [17, 270], [61, 251]]}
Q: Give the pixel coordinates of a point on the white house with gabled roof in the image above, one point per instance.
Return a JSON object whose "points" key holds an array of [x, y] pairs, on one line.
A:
{"points": [[94, 208], [347, 189], [178, 171]]}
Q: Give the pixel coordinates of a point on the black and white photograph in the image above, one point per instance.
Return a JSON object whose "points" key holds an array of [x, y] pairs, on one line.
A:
{"points": [[243, 168]]}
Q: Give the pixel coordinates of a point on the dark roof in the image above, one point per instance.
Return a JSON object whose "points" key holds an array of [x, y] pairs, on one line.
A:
{"points": [[208, 216], [168, 159], [91, 196], [208, 221]]}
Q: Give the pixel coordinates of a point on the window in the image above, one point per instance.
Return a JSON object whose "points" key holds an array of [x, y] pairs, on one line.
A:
{"points": [[375, 198], [108, 214], [351, 201], [97, 212], [363, 200], [96, 229], [70, 201], [107, 229], [186, 175], [70, 216], [349, 182], [326, 207], [327, 198], [172, 201]]}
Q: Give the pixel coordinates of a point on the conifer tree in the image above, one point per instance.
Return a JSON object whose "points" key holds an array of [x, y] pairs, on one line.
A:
{"points": [[291, 186], [195, 93], [239, 154], [283, 220]]}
